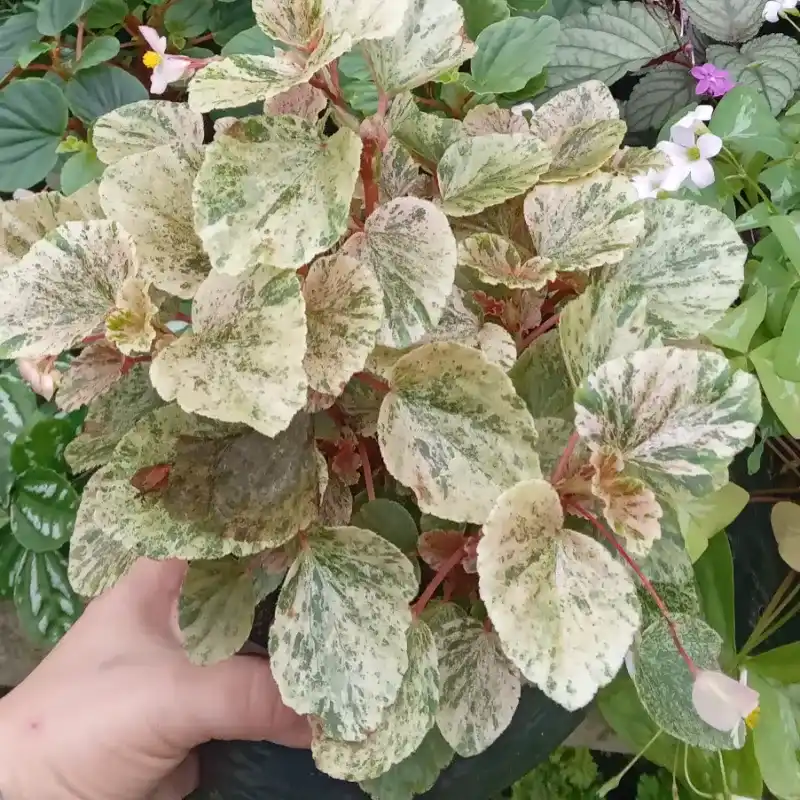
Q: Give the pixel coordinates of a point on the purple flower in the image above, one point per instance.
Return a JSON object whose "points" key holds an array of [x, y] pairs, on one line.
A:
{"points": [[712, 80]]}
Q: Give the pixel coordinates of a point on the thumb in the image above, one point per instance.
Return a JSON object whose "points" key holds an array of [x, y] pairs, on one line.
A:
{"points": [[239, 699]]}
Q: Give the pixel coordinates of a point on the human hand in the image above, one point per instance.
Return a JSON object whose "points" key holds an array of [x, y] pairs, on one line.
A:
{"points": [[115, 710]]}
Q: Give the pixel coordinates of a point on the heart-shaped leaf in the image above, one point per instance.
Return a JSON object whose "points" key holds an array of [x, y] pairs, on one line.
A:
{"points": [[390, 520], [53, 16], [725, 20]]}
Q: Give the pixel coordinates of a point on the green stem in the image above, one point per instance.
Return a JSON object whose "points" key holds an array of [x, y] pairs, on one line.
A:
{"points": [[613, 783], [789, 20], [688, 778], [726, 791], [779, 624], [742, 172], [766, 618]]}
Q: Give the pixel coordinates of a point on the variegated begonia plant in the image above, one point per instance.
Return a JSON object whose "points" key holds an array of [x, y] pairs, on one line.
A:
{"points": [[310, 298]]}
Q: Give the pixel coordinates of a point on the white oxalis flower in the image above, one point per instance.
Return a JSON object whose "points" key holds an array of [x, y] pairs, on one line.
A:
{"points": [[723, 702], [774, 8], [649, 185], [690, 158], [166, 68], [693, 120]]}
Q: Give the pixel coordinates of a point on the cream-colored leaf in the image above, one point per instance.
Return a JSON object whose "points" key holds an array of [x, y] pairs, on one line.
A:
{"points": [[273, 190], [585, 224], [689, 264], [303, 101], [90, 375], [296, 22], [453, 429], [425, 135], [490, 118], [139, 127], [361, 403], [498, 262], [110, 417], [497, 345], [400, 175], [337, 652], [480, 688], [148, 194], [410, 248], [786, 529], [216, 609], [676, 416], [485, 170], [633, 161], [243, 359], [430, 41], [63, 287], [584, 149], [344, 311], [130, 325], [403, 727], [565, 611], [367, 19]]}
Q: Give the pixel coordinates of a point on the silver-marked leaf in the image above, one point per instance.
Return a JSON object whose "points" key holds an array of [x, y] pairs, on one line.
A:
{"points": [[453, 429], [689, 264], [566, 612], [677, 416], [25, 221], [243, 359], [599, 326], [64, 287], [110, 417], [632, 161], [17, 410], [726, 20], [659, 95], [585, 103], [335, 651], [664, 683], [490, 118], [139, 127], [228, 490], [344, 311], [148, 193], [483, 171], [403, 727], [216, 609], [430, 41], [425, 135], [479, 687], [272, 190], [304, 101], [296, 22], [770, 64], [584, 224], [410, 248], [400, 175], [89, 375], [498, 262], [669, 568], [361, 403], [497, 345], [605, 42], [43, 508], [416, 774]]}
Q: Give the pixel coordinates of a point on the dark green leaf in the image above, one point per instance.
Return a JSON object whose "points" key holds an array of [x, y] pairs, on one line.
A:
{"points": [[253, 41], [530, 90], [479, 14], [12, 555], [17, 408], [53, 16], [43, 509], [390, 520], [228, 19], [106, 13], [511, 52], [188, 18], [781, 664], [101, 49], [80, 169], [96, 91], [744, 121], [42, 445], [33, 119], [358, 88], [15, 33], [737, 328]]}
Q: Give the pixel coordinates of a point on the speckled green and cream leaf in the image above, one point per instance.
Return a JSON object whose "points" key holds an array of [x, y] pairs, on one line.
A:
{"points": [[25, 221], [243, 359], [676, 416], [498, 262], [425, 135], [336, 507], [295, 22], [62, 289], [304, 101], [403, 727], [669, 568], [143, 126], [148, 193], [584, 149], [585, 224], [129, 326], [587, 102], [366, 19], [600, 326], [89, 375], [689, 264], [337, 652], [453, 429], [400, 175], [110, 417], [344, 312], [408, 245], [272, 190], [632, 161], [216, 609], [480, 688], [490, 118], [664, 683], [497, 345], [566, 612], [430, 41], [230, 491], [485, 170]]}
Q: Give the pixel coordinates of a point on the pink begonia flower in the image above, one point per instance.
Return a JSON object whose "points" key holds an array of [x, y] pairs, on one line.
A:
{"points": [[166, 68], [775, 8], [722, 702], [712, 80], [689, 158], [41, 375]]}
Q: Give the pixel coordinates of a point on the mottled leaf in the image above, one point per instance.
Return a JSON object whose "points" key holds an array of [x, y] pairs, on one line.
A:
{"points": [[129, 325], [497, 345], [669, 568], [17, 409], [453, 429], [498, 262], [43, 507], [89, 376], [676, 416], [296, 22], [403, 727], [400, 175], [272, 190], [483, 171], [425, 135], [564, 609], [344, 311], [243, 359], [336, 507], [337, 652], [304, 101], [631, 161], [490, 118]]}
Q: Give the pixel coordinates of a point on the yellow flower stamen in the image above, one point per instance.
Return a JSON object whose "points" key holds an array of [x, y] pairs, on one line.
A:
{"points": [[751, 720], [693, 153], [152, 59]]}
